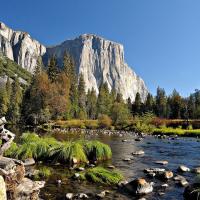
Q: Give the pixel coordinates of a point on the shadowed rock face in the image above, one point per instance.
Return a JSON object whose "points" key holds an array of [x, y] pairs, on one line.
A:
{"points": [[98, 59], [101, 60], [20, 47]]}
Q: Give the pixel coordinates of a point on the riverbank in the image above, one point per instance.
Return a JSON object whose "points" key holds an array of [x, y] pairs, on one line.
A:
{"points": [[177, 131]]}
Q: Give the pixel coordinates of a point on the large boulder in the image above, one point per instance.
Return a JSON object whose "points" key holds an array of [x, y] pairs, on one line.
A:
{"points": [[139, 186], [2, 189], [28, 189]]}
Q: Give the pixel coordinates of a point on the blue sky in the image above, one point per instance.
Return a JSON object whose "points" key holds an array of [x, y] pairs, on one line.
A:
{"points": [[161, 38]]}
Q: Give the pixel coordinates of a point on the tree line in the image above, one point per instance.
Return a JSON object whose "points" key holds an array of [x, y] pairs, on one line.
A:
{"points": [[59, 93]]}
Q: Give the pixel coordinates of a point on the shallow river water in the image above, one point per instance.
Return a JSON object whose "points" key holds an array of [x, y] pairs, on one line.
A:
{"points": [[179, 151]]}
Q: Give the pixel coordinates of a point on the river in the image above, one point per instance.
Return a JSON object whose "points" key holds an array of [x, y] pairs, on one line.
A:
{"points": [[179, 151]]}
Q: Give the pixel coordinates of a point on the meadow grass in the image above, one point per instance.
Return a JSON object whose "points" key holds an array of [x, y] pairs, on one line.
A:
{"points": [[176, 131]]}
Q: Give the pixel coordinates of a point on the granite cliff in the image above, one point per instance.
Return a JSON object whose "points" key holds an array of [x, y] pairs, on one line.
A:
{"points": [[98, 59]]}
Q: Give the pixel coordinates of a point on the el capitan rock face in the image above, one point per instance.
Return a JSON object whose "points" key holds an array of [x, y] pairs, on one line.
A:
{"points": [[98, 59], [101, 60]]}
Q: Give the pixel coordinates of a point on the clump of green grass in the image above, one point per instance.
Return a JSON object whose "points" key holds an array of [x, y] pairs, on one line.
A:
{"points": [[68, 151], [102, 176], [48, 148], [11, 152], [96, 150]]}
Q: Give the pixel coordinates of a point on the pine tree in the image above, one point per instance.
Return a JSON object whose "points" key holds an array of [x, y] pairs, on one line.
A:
{"points": [[81, 97], [15, 102], [104, 101], [91, 104], [161, 103], [137, 105], [53, 69], [149, 103]]}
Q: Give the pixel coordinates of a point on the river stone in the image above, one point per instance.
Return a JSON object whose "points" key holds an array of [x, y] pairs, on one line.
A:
{"points": [[183, 182], [2, 189], [196, 170], [82, 196], [140, 152], [29, 162], [111, 167], [178, 178], [161, 162], [166, 175], [69, 196], [154, 170], [139, 186], [183, 168], [103, 194]]}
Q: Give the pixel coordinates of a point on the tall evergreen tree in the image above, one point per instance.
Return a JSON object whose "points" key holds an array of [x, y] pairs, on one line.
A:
{"points": [[91, 104], [149, 103], [81, 97], [104, 101], [175, 105], [53, 69], [161, 103], [137, 105], [15, 101]]}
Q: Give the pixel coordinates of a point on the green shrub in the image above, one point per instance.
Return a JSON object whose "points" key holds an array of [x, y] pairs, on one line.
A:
{"points": [[102, 176], [91, 124]]}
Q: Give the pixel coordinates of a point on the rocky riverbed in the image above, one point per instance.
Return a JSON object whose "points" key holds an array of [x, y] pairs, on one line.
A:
{"points": [[177, 157]]}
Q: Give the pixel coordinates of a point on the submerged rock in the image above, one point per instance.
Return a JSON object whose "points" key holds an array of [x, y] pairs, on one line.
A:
{"points": [[154, 170], [161, 162], [140, 152], [139, 186]]}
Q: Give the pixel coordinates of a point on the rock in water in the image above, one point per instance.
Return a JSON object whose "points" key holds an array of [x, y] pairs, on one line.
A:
{"points": [[2, 189], [98, 59], [139, 186], [183, 168]]}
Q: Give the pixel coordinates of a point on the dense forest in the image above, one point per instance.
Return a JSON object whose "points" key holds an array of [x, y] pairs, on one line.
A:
{"points": [[58, 93]]}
